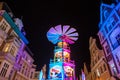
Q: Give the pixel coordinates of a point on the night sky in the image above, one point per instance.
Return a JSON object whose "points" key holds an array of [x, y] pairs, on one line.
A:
{"points": [[40, 15]]}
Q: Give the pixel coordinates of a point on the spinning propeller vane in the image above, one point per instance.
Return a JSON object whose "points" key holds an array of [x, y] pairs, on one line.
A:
{"points": [[59, 33]]}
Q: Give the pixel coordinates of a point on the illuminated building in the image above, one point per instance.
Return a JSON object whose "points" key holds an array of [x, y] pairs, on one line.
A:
{"points": [[109, 35], [42, 74], [99, 67], [34, 75], [26, 70], [86, 73], [83, 77], [62, 67], [16, 62]]}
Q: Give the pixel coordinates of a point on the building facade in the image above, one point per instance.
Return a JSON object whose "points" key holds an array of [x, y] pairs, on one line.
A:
{"points": [[99, 67], [109, 35], [16, 62]]}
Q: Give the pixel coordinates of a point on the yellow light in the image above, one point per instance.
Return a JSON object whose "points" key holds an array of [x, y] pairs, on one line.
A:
{"points": [[66, 54], [7, 47], [62, 44]]}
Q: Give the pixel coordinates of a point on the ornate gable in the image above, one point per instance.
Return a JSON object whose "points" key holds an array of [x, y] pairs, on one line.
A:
{"points": [[105, 11]]}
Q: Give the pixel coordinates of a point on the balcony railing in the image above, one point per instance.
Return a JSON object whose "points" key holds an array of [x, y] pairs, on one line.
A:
{"points": [[62, 60], [57, 47]]}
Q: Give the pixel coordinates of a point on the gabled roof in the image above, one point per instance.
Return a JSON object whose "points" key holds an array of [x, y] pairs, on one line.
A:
{"points": [[105, 11]]}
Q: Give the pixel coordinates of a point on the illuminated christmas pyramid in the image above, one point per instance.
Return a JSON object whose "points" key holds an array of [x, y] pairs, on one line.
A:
{"points": [[62, 67]]}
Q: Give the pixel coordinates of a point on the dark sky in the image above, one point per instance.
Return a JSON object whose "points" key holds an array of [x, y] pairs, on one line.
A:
{"points": [[40, 15]]}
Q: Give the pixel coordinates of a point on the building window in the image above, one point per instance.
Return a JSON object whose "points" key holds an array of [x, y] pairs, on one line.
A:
{"points": [[31, 74], [23, 69], [4, 26], [11, 72], [4, 70], [109, 27], [113, 69], [17, 58], [18, 42], [115, 20], [7, 47], [107, 48], [118, 11], [104, 67], [112, 21], [118, 61], [36, 75], [12, 50], [106, 29], [116, 41], [118, 38], [20, 69], [115, 37]]}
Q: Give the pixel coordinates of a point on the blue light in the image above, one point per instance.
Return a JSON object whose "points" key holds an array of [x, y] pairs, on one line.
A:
{"points": [[15, 28], [54, 38], [41, 75]]}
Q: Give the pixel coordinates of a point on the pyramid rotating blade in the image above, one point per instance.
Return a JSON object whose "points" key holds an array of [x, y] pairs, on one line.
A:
{"points": [[73, 34], [59, 29], [70, 31], [65, 28], [74, 38], [70, 41], [52, 30], [51, 34], [53, 37], [54, 40]]}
